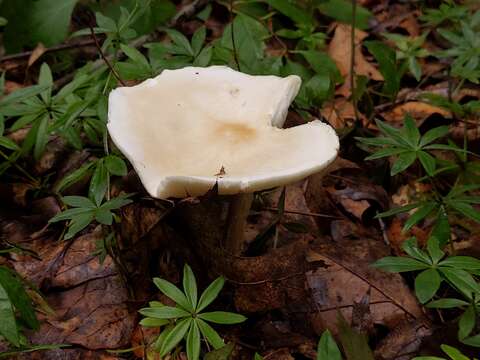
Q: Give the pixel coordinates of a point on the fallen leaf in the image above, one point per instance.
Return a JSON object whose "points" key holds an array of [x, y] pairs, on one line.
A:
{"points": [[340, 51], [418, 110], [36, 54]]}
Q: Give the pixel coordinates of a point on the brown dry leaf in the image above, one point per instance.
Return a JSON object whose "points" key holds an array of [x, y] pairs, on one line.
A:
{"points": [[417, 109], [36, 54], [68, 354], [339, 113], [340, 51]]}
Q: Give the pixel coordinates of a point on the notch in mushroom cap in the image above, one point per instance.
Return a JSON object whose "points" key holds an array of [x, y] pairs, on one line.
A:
{"points": [[190, 128]]}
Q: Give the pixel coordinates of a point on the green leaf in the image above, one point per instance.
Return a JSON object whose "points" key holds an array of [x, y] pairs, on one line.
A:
{"points": [[115, 165], [78, 223], [441, 229], [198, 39], [447, 303], [193, 342], [421, 213], [136, 56], [70, 214], [403, 162], [152, 322], [322, 64], [410, 246], [462, 262], [74, 177], [78, 201], [386, 59], [341, 10], [19, 297], [328, 348], [224, 353], [181, 41], [427, 284], [399, 264], [173, 293], [434, 250], [210, 293], [164, 312], [98, 183], [394, 133], [387, 152], [175, 336], [190, 286], [222, 317], [41, 138], [414, 68], [22, 94], [211, 335], [31, 22], [116, 203], [103, 216], [105, 22], [472, 340], [453, 353], [428, 162], [290, 9], [461, 280], [355, 344], [465, 209], [411, 131], [8, 325], [399, 210], [45, 78], [433, 134], [466, 323], [8, 144], [258, 357]]}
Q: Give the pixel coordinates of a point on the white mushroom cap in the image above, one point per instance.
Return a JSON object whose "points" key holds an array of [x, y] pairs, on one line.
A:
{"points": [[180, 129]]}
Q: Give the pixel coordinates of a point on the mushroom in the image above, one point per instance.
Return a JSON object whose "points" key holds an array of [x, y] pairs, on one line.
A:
{"points": [[188, 129]]}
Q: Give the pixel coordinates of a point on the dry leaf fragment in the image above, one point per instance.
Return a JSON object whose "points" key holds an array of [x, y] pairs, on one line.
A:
{"points": [[36, 53]]}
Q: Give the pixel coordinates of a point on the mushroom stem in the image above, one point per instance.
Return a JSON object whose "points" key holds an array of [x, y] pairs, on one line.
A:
{"points": [[237, 218]]}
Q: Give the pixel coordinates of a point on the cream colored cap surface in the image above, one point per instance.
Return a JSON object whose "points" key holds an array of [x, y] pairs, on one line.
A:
{"points": [[187, 129]]}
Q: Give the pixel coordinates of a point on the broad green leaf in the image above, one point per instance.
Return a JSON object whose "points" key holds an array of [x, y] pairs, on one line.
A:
{"points": [[19, 297], [193, 342], [164, 312], [98, 183], [434, 250], [386, 59], [224, 353], [8, 143], [403, 162], [461, 280], [410, 246], [78, 201], [70, 214], [175, 336], [116, 203], [173, 293], [447, 303], [328, 348], [190, 286], [115, 165], [411, 131], [427, 284], [394, 133], [466, 323], [222, 317], [198, 39], [210, 334], [152, 322], [105, 22], [472, 341], [387, 152], [322, 64], [41, 138], [355, 344], [455, 354], [78, 223], [136, 56], [433, 134], [428, 162], [103, 216], [399, 264], [8, 325], [462, 262], [441, 229], [257, 357], [341, 10], [465, 209], [32, 22], [22, 94], [399, 210], [291, 9], [414, 67], [183, 45], [421, 213], [74, 176], [210, 293]]}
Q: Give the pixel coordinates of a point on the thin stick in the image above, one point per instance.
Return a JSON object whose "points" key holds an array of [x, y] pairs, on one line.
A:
{"points": [[97, 44], [50, 49], [235, 56], [274, 209], [352, 60]]}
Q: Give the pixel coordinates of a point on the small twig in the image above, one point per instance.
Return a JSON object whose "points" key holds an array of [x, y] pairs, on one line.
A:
{"points": [[105, 59], [235, 56], [274, 209], [55, 48], [352, 61], [266, 280]]}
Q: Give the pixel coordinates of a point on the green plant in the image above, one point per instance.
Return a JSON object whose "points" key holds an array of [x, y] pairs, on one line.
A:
{"points": [[453, 354], [447, 12], [187, 319], [409, 49], [84, 211]]}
